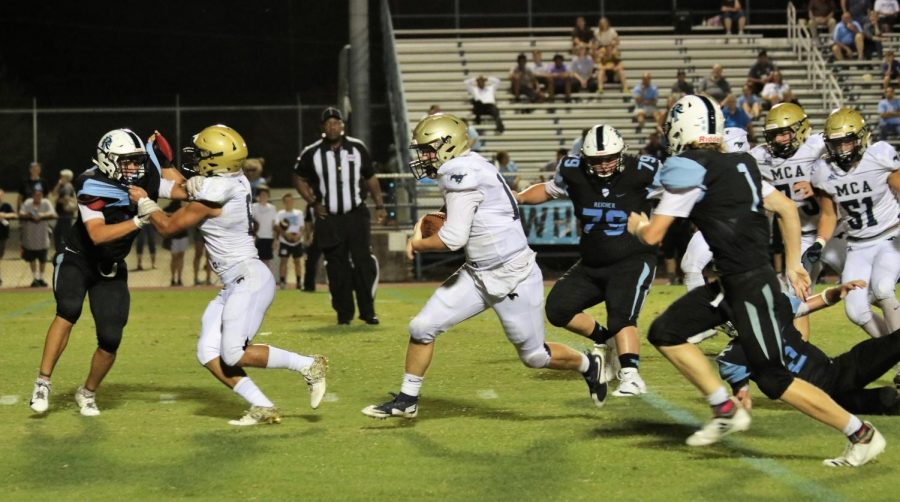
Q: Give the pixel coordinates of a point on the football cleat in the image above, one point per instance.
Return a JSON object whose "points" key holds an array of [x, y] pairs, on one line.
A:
{"points": [[857, 454], [86, 402], [401, 406], [703, 335], [630, 383], [40, 396], [897, 380], [258, 415], [314, 376], [728, 329], [719, 427], [595, 376]]}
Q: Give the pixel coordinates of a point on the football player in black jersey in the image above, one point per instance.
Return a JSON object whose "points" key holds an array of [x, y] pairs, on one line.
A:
{"points": [[724, 196], [92, 262], [605, 185]]}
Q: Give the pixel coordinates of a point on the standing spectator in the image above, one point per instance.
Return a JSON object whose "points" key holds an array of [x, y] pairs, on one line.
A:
{"points": [[890, 69], [645, 96], [731, 13], [821, 13], [715, 85], [32, 182], [264, 213], [177, 245], [749, 102], [872, 38], [199, 251], [680, 88], [522, 81], [760, 72], [611, 69], [507, 169], [36, 214], [66, 207], [886, 11], [343, 228], [583, 71], [889, 113], [606, 36], [6, 213], [484, 98], [654, 147], [735, 116], [541, 72], [146, 237], [253, 170], [581, 34], [776, 91], [562, 77], [313, 253], [289, 225], [846, 36], [858, 9]]}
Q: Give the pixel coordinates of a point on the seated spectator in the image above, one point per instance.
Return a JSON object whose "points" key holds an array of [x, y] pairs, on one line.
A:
{"points": [[889, 115], [654, 147], [890, 69], [432, 110], [610, 68], [715, 85], [872, 37], [735, 116], [523, 81], [562, 77], [858, 9], [846, 36], [582, 36], [886, 12], [541, 72], [606, 36], [821, 13], [749, 102], [733, 13], [508, 169], [645, 96], [474, 138], [776, 91], [680, 88], [583, 71], [484, 98], [759, 73], [550, 167]]}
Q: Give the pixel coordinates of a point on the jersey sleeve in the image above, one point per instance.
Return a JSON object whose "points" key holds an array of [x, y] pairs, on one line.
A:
{"points": [[97, 194], [681, 174], [461, 207], [304, 166], [648, 167], [365, 161], [819, 178], [733, 365], [458, 177], [816, 142], [215, 190], [88, 214], [679, 204], [766, 189], [885, 155]]}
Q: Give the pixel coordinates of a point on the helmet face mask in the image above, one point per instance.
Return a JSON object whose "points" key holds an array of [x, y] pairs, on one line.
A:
{"points": [[603, 151], [786, 118], [437, 139], [846, 138], [423, 166], [217, 150], [121, 156]]}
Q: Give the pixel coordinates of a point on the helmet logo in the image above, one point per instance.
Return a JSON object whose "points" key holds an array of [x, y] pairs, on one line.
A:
{"points": [[107, 142], [676, 110]]}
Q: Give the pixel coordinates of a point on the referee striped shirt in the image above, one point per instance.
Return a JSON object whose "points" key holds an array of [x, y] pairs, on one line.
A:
{"points": [[336, 173]]}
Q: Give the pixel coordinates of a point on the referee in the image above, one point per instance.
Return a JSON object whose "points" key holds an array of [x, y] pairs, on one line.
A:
{"points": [[330, 176]]}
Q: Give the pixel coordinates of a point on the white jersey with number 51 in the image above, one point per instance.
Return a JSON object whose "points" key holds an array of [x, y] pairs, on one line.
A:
{"points": [[229, 236]]}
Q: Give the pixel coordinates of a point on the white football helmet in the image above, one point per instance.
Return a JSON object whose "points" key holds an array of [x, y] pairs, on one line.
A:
{"points": [[114, 149], [694, 119], [601, 145]]}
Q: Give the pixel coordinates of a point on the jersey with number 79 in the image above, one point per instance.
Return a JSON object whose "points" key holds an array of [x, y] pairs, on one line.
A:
{"points": [[863, 196]]}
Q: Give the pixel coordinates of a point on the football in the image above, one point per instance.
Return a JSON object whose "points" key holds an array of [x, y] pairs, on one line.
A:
{"points": [[431, 223]]}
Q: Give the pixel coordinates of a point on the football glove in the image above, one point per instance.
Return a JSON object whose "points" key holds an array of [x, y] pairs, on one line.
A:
{"points": [[812, 255], [146, 207], [194, 185]]}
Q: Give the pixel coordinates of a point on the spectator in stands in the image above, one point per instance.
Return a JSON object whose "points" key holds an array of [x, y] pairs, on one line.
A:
{"points": [[858, 9], [541, 72], [264, 213], [889, 115], [581, 34], [562, 77], [654, 147], [66, 207], [886, 12], [715, 85], [680, 88], [847, 35], [872, 38], [508, 169], [32, 182], [776, 91], [749, 102], [760, 72], [583, 71], [484, 95], [433, 109], [6, 213], [475, 143], [610, 69], [550, 167], [735, 116], [890, 69], [522, 80], [645, 96], [35, 215], [253, 170], [821, 13], [606, 36], [732, 12]]}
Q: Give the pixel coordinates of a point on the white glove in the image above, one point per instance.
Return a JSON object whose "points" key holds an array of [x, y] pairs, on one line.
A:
{"points": [[194, 185], [146, 207], [141, 222]]}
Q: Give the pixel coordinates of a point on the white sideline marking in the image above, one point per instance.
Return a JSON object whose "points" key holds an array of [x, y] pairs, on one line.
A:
{"points": [[9, 399], [330, 398], [167, 398], [487, 394], [265, 333]]}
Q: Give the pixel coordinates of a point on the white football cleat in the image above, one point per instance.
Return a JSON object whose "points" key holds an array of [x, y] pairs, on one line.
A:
{"points": [[630, 383], [719, 427], [257, 415], [86, 402], [857, 454], [314, 376], [40, 396], [703, 335]]}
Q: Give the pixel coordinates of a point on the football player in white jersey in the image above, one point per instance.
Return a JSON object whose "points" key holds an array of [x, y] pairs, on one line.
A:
{"points": [[862, 182], [220, 207], [500, 270]]}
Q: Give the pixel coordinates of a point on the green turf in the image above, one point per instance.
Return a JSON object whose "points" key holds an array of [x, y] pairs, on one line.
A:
{"points": [[540, 438]]}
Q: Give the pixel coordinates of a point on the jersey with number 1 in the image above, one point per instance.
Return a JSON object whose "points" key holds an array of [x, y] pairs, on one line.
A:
{"points": [[602, 206], [783, 173], [228, 236], [864, 198]]}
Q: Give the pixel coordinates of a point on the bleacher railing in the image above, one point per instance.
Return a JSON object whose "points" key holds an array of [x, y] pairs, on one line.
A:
{"points": [[817, 72]]}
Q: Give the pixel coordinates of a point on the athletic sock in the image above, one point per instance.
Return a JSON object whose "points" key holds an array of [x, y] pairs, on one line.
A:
{"points": [[852, 427], [718, 397], [282, 359], [411, 385], [251, 393], [600, 334], [630, 360], [585, 364], [693, 280]]}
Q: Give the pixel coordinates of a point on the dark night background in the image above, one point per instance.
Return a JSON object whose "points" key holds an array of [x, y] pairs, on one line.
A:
{"points": [[266, 52]]}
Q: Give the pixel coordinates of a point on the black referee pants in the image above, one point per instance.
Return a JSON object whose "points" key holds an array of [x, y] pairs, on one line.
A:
{"points": [[346, 242]]}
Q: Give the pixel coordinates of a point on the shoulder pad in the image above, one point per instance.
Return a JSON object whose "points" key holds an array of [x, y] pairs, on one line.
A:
{"points": [[645, 163], [459, 175], [816, 142], [760, 153], [681, 173], [883, 154], [217, 189]]}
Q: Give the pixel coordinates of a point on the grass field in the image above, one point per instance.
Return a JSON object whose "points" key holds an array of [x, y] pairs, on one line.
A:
{"points": [[488, 427]]}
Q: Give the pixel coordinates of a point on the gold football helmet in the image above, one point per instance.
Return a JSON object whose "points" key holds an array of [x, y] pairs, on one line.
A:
{"points": [[846, 126], [437, 139], [218, 149], [783, 118]]}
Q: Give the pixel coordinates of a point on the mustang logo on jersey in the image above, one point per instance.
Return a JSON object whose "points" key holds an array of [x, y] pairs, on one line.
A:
{"points": [[458, 178]]}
